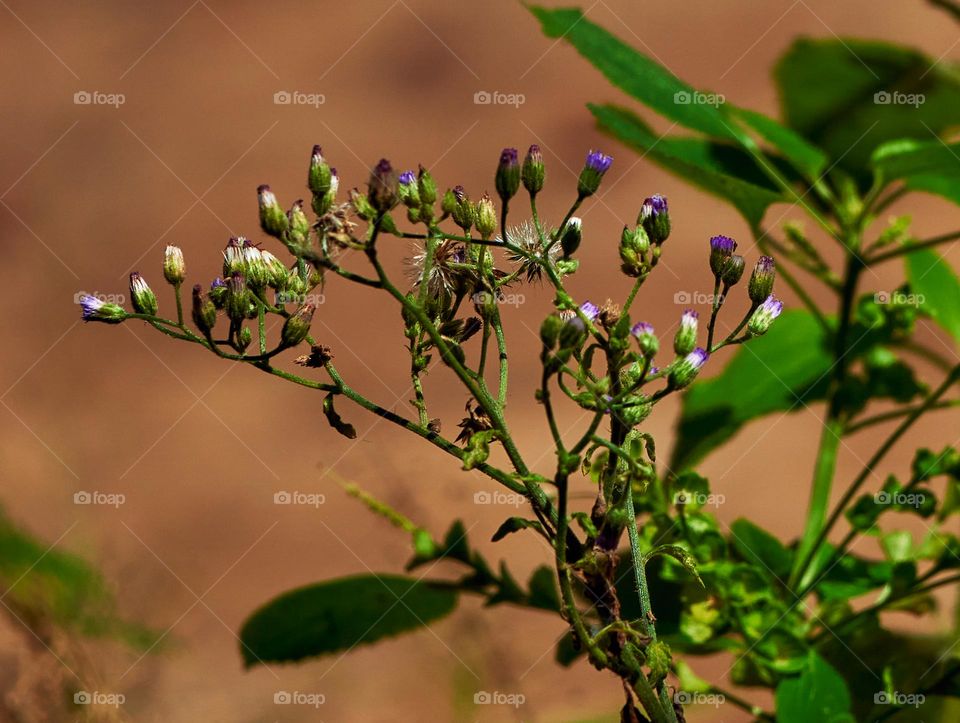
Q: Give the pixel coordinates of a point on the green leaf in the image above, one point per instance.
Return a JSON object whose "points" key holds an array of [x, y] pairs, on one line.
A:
{"points": [[678, 553], [828, 87], [780, 371], [543, 589], [817, 694], [761, 548], [795, 148], [931, 166], [937, 288], [515, 524], [335, 420], [632, 71], [718, 168], [337, 614]]}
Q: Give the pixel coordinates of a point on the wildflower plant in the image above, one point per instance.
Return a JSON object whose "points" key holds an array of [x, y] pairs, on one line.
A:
{"points": [[648, 570]]}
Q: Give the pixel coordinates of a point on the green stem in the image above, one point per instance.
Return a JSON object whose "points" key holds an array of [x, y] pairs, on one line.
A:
{"points": [[910, 248]]}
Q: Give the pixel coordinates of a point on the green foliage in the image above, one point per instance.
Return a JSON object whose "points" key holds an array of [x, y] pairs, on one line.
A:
{"points": [[819, 693], [937, 288], [336, 615]]}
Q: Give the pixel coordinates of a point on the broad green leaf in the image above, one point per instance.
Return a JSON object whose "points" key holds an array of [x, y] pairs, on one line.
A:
{"points": [[931, 166], [817, 694], [723, 170], [632, 71], [937, 288], [780, 371], [761, 548], [831, 93], [336, 615], [795, 148], [543, 589]]}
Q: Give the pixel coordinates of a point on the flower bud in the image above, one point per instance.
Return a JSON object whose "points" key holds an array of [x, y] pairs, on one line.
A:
{"points": [[721, 249], [408, 190], [382, 187], [449, 203], [572, 234], [254, 268], [655, 218], [204, 311], [218, 292], [533, 172], [272, 218], [633, 247], [94, 309], [550, 330], [361, 205], [596, 165], [463, 214], [686, 338], [244, 337], [686, 369], [174, 270], [276, 270], [486, 217], [733, 271], [237, 303], [233, 260], [142, 298], [761, 280], [646, 338], [319, 174], [508, 174], [764, 316], [297, 326], [590, 310], [427, 187], [299, 223]]}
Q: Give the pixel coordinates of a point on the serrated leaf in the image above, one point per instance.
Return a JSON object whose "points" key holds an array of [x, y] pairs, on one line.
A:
{"points": [[336, 615]]}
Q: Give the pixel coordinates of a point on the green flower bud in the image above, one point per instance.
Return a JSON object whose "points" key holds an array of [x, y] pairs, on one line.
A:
{"points": [[299, 223], [276, 270], [764, 316], [508, 175], [272, 218], [233, 259], [94, 309], [204, 311], [319, 175], [550, 330], [449, 203], [761, 280], [427, 187], [237, 303], [533, 172], [218, 292], [174, 270], [686, 339], [254, 268], [244, 338], [142, 298], [408, 189], [361, 205], [732, 271], [646, 339], [570, 240], [486, 217], [382, 187], [654, 216], [686, 369], [297, 326], [463, 214], [595, 167], [636, 412]]}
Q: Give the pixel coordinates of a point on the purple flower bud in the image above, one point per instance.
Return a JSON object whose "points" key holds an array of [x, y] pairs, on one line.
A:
{"points": [[687, 368], [646, 337], [721, 249], [596, 165], [764, 316], [507, 179], [599, 162], [533, 172], [94, 309], [409, 190], [761, 281], [654, 216], [686, 338], [641, 328], [407, 177], [590, 310], [383, 187]]}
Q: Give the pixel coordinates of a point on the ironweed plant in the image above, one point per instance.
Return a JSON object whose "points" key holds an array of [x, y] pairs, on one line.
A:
{"points": [[649, 571]]}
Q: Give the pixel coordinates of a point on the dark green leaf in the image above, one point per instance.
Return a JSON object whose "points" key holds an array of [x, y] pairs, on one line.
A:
{"points": [[779, 371], [514, 524], [337, 614], [801, 153], [761, 548], [543, 589], [723, 170], [335, 420], [817, 694], [936, 287], [828, 90], [567, 651], [931, 166], [678, 553], [632, 71]]}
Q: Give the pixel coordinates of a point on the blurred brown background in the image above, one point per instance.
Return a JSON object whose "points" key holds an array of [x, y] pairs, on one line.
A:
{"points": [[89, 193]]}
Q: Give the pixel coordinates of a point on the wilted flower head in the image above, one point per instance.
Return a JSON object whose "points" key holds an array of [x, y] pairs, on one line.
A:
{"points": [[382, 192], [525, 236]]}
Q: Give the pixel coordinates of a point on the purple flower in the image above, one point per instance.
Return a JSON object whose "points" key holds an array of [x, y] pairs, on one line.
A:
{"points": [[90, 306], [407, 177], [772, 305], [599, 162], [761, 280], [94, 309], [723, 244], [646, 338], [655, 218], [656, 204], [508, 157], [697, 358], [641, 328], [689, 319], [764, 316], [591, 311], [686, 369]]}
